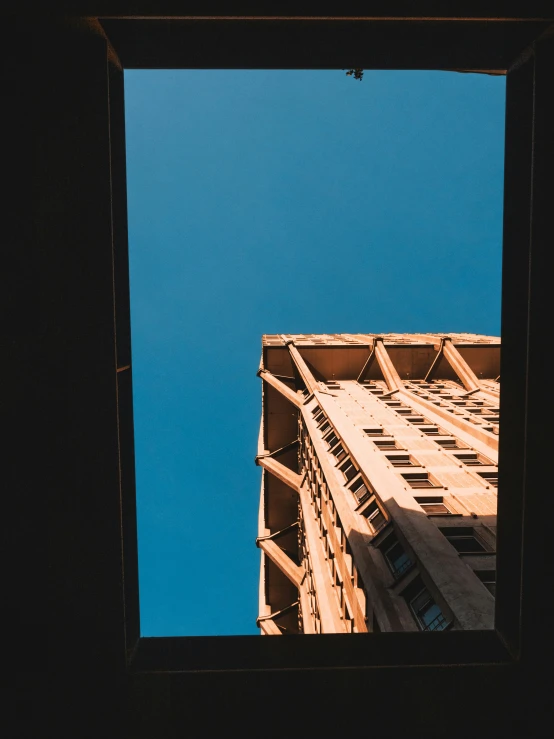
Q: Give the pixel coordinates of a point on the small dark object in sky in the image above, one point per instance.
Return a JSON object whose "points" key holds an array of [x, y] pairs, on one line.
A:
{"points": [[356, 73]]}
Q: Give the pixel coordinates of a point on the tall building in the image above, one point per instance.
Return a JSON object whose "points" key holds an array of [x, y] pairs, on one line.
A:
{"points": [[378, 499]]}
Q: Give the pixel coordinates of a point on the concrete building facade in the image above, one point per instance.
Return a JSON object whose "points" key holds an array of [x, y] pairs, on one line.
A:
{"points": [[379, 459]]}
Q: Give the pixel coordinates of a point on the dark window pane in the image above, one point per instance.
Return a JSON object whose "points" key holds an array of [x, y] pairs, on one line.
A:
{"points": [[360, 491], [349, 471], [427, 612], [398, 558], [466, 544], [433, 618], [374, 516]]}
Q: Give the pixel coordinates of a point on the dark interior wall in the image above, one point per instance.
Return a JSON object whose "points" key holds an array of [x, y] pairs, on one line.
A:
{"points": [[63, 82], [59, 82]]}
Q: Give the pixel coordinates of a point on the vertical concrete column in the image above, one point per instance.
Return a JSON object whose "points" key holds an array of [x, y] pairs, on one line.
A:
{"points": [[308, 618], [331, 621]]}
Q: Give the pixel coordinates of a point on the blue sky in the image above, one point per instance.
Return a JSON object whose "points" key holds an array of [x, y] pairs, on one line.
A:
{"points": [[282, 202]]}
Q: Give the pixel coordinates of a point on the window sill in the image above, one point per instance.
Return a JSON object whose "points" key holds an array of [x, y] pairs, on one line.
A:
{"points": [[446, 628], [476, 554], [426, 487]]}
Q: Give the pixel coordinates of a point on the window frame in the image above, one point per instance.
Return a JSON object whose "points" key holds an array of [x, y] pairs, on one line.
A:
{"points": [[486, 474], [345, 466], [427, 431], [517, 48], [487, 577], [355, 484], [423, 476], [374, 431], [389, 543], [425, 500], [387, 444], [470, 533], [415, 613], [378, 512], [409, 459], [471, 455]]}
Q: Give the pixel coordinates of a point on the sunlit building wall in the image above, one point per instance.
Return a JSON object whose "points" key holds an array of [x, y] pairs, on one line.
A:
{"points": [[379, 482]]}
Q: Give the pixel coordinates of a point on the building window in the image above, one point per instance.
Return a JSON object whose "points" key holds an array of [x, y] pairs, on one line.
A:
{"points": [[490, 477], [396, 557], [450, 443], [401, 460], [432, 431], [316, 410], [405, 411], [339, 452], [360, 490], [427, 613], [417, 420], [331, 440], [419, 480], [488, 578], [472, 459], [374, 516], [386, 444], [434, 506], [348, 470], [464, 540], [377, 431]]}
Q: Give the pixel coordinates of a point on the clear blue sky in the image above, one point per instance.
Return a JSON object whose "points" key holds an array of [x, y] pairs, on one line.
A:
{"points": [[294, 202]]}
